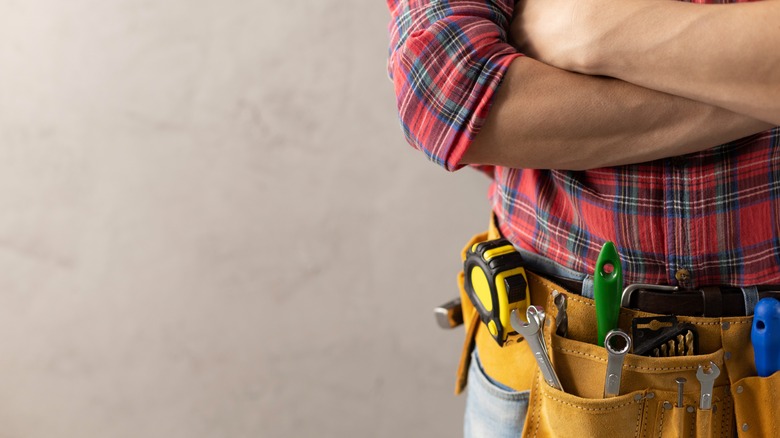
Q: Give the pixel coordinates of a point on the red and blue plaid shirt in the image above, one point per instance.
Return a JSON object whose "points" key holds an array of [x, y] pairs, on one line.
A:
{"points": [[715, 214]]}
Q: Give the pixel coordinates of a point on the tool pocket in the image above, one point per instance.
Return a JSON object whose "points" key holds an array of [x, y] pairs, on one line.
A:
{"points": [[648, 402], [755, 405], [581, 410], [556, 413], [666, 419], [674, 422]]}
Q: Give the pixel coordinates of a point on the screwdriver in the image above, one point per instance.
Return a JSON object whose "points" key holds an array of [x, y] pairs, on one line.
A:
{"points": [[765, 336], [607, 290]]}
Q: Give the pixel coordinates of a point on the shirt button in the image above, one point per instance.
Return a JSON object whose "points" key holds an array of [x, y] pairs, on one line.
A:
{"points": [[682, 275]]}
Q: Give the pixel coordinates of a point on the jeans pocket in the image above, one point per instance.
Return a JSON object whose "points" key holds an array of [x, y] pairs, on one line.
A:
{"points": [[492, 409]]}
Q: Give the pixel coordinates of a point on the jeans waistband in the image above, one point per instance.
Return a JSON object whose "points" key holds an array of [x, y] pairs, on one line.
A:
{"points": [[546, 267]]}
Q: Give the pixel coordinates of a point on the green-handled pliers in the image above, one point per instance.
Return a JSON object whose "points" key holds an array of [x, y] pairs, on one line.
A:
{"points": [[607, 290]]}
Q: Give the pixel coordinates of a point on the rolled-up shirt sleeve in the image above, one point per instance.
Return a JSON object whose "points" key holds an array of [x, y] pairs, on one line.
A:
{"points": [[446, 61]]}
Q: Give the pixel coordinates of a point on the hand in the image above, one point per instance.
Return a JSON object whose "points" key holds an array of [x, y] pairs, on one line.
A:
{"points": [[561, 33]]}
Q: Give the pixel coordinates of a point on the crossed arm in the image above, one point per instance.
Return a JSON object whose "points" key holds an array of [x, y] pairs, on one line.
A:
{"points": [[726, 55], [546, 118], [541, 116]]}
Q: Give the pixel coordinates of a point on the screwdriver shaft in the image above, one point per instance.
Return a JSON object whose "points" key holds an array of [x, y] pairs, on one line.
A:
{"points": [[680, 386]]}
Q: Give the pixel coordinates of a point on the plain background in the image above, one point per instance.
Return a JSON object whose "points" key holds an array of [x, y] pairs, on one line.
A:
{"points": [[211, 226]]}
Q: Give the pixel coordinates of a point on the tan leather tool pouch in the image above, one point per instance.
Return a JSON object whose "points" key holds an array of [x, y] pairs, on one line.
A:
{"points": [[755, 401], [647, 405]]}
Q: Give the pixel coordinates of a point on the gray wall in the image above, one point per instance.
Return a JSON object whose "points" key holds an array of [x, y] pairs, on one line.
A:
{"points": [[212, 227]]}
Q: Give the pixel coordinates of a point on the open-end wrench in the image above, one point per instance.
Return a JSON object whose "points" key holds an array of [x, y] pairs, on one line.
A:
{"points": [[618, 344], [532, 332], [561, 319], [707, 381]]}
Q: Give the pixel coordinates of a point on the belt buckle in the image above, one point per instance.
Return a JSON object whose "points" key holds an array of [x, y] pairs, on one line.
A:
{"points": [[712, 302], [625, 299]]}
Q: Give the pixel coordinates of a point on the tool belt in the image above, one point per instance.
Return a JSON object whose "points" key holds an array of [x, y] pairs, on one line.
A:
{"points": [[647, 404]]}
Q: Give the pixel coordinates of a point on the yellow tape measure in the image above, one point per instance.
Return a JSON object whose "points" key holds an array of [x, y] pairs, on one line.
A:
{"points": [[496, 283]]}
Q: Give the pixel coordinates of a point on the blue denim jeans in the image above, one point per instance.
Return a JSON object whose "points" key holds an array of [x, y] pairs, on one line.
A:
{"points": [[493, 409]]}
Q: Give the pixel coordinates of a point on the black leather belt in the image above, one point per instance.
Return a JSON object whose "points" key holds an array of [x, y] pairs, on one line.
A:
{"points": [[708, 301]]}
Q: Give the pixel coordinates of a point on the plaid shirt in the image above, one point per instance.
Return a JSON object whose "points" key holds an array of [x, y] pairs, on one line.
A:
{"points": [[713, 215]]}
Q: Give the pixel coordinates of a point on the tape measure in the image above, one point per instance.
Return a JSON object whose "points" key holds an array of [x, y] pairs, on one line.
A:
{"points": [[496, 283]]}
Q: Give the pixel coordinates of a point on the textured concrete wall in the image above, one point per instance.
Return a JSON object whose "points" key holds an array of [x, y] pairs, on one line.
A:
{"points": [[211, 226]]}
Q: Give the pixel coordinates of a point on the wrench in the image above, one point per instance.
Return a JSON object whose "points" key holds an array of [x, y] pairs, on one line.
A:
{"points": [[707, 381], [561, 319], [532, 332], [616, 354]]}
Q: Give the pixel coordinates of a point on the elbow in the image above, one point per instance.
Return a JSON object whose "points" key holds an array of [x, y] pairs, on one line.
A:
{"points": [[424, 133], [443, 94], [410, 108], [425, 124]]}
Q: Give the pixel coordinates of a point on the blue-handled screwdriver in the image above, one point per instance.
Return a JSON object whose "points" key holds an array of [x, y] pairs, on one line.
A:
{"points": [[765, 336]]}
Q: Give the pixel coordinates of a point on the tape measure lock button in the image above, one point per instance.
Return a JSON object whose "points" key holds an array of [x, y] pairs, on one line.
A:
{"points": [[496, 284], [516, 288]]}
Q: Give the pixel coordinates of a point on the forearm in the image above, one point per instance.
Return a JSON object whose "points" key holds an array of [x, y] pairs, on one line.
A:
{"points": [[724, 55], [543, 117]]}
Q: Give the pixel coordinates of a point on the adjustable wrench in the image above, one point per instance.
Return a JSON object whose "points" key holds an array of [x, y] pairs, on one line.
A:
{"points": [[532, 332], [707, 381], [618, 344]]}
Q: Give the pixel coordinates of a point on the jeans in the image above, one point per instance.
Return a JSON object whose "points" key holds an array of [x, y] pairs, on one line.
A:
{"points": [[540, 264], [493, 409]]}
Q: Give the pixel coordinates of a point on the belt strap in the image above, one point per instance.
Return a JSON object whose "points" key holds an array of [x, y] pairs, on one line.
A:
{"points": [[708, 301], [713, 301]]}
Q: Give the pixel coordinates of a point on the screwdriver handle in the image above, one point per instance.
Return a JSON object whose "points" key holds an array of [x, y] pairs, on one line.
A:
{"points": [[765, 336], [607, 290]]}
